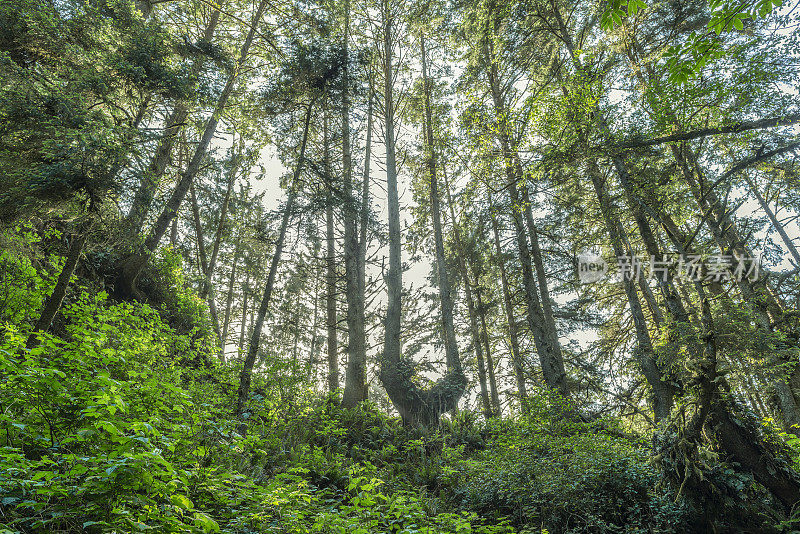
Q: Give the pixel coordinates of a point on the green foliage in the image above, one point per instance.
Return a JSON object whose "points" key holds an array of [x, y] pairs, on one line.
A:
{"points": [[569, 477], [105, 428], [76, 76], [23, 287], [686, 60], [166, 284], [101, 430]]}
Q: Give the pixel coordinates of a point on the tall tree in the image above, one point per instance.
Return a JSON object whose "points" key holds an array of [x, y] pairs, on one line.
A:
{"points": [[246, 374], [132, 266], [355, 387]]}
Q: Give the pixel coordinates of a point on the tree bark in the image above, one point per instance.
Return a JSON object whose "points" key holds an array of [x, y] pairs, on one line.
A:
{"points": [[355, 386], [662, 392], [776, 224], [255, 339], [550, 358], [229, 297], [541, 276], [392, 375], [488, 351], [245, 297], [208, 294], [508, 306], [54, 300], [132, 266], [330, 264], [416, 406], [473, 316]]}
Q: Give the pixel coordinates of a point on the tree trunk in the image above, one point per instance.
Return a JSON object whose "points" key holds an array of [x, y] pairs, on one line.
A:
{"points": [[550, 329], [662, 391], [776, 224], [473, 316], [392, 376], [223, 215], [255, 338], [246, 295], [229, 297], [355, 386], [207, 293], [364, 218], [133, 224], [416, 406], [53, 302], [764, 304], [550, 358], [508, 306], [331, 277], [173, 233], [313, 353], [151, 179], [489, 360], [132, 266], [451, 344]]}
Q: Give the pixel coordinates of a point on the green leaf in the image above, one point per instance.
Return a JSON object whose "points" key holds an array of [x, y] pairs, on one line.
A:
{"points": [[181, 501], [205, 522], [78, 470]]}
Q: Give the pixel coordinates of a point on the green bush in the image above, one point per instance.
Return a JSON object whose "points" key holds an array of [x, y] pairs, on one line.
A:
{"points": [[541, 472]]}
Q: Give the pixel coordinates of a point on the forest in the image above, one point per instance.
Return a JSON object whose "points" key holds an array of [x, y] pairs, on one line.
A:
{"points": [[424, 266]]}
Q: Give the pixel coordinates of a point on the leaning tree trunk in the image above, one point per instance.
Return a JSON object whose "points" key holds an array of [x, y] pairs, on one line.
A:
{"points": [[541, 276], [53, 302], [151, 179], [132, 266], [255, 339], [776, 224], [662, 391], [550, 357], [738, 434], [133, 223], [764, 304]]}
